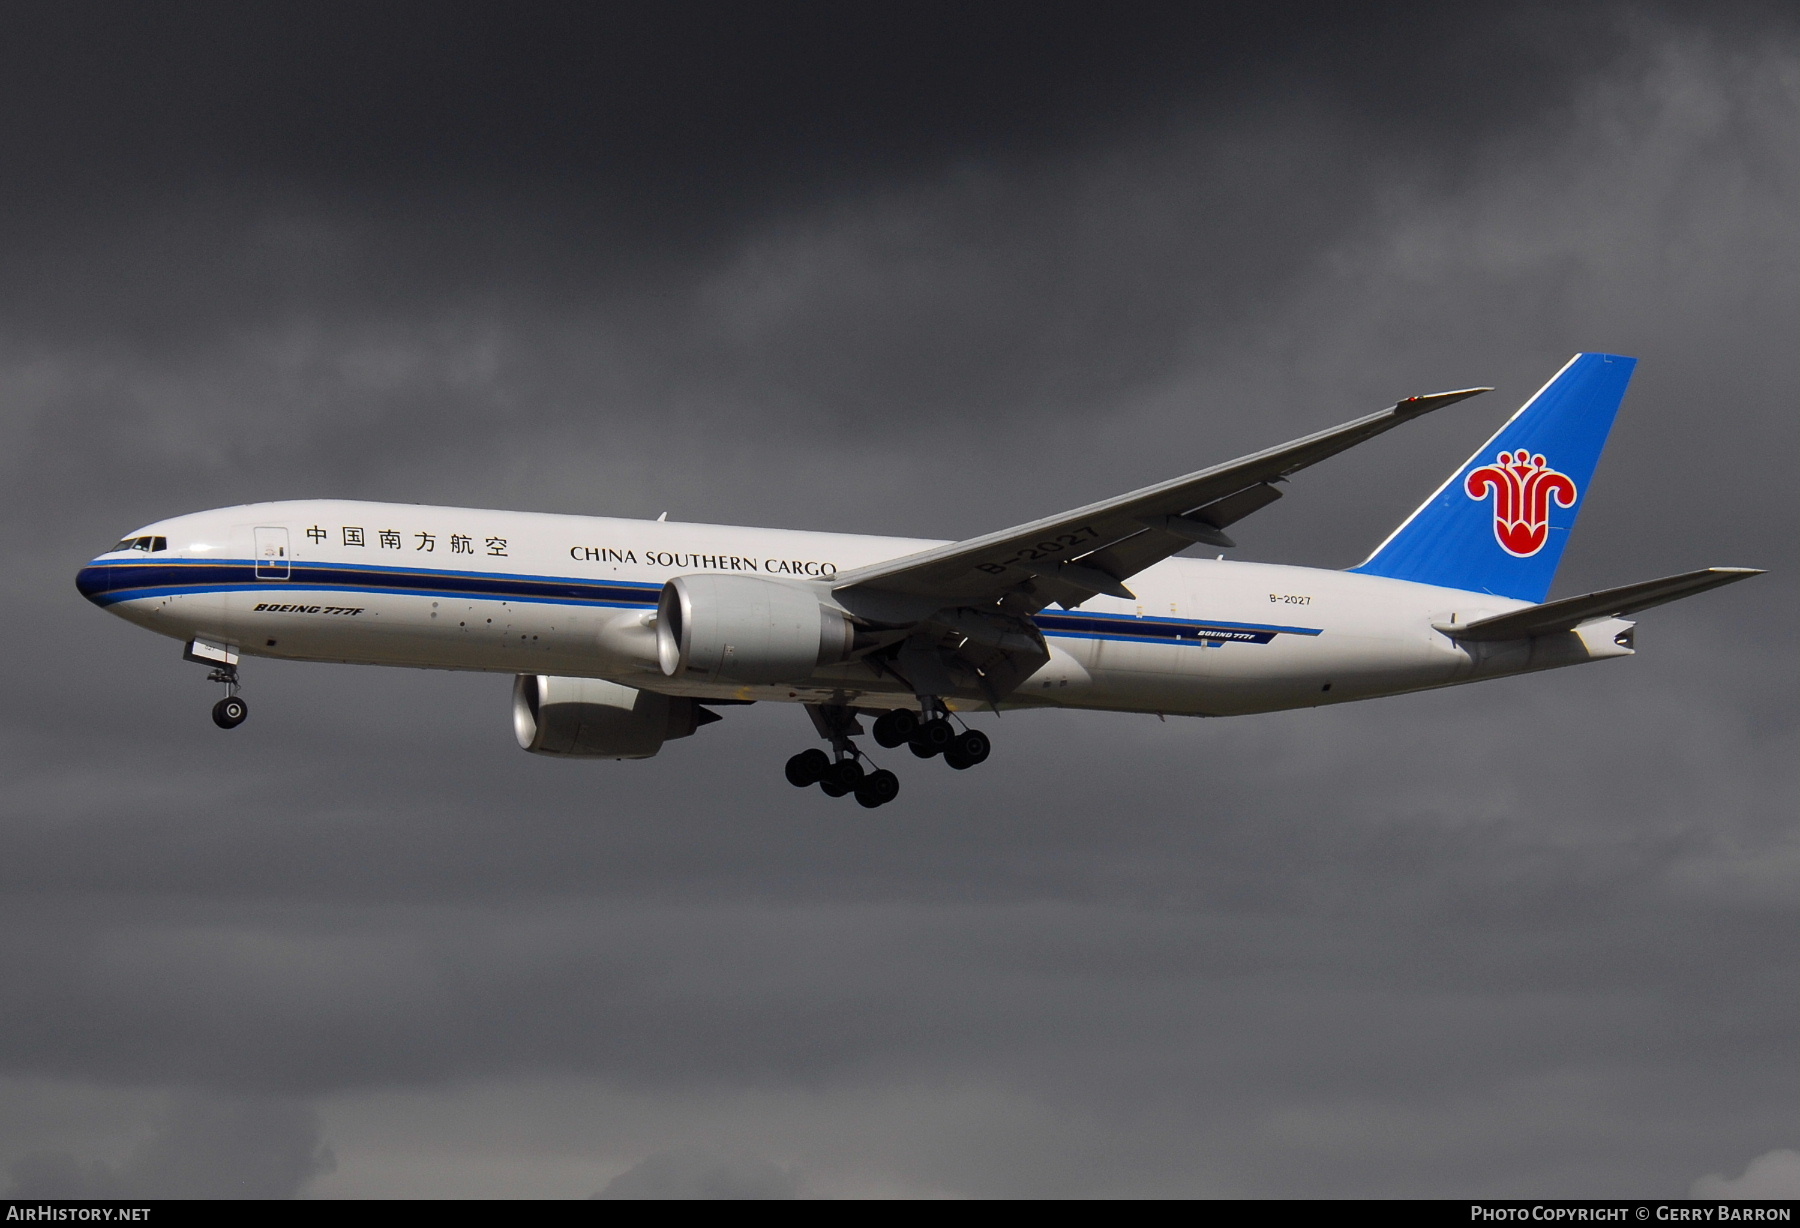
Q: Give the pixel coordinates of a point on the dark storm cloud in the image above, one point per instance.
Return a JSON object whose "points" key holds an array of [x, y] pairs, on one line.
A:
{"points": [[684, 112], [928, 273], [202, 1148], [698, 1175]]}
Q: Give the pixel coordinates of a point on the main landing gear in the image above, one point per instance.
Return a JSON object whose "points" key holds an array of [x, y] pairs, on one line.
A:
{"points": [[934, 735], [843, 776], [842, 772]]}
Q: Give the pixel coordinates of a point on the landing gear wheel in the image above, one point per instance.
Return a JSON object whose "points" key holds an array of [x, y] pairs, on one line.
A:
{"points": [[878, 788], [230, 712], [893, 728], [932, 738], [807, 768], [845, 775], [970, 747]]}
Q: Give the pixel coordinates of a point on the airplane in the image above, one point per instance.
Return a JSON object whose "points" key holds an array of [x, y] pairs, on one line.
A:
{"points": [[625, 634]]}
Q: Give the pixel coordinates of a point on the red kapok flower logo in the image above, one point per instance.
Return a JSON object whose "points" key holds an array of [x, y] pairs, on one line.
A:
{"points": [[1522, 486]]}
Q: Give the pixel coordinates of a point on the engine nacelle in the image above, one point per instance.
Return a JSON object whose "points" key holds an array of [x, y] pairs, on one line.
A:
{"points": [[594, 719], [747, 629]]}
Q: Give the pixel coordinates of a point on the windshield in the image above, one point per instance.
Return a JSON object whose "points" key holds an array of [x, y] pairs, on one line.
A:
{"points": [[147, 544]]}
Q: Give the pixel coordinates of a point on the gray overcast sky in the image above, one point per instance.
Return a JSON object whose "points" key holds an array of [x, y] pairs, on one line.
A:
{"points": [[926, 270]]}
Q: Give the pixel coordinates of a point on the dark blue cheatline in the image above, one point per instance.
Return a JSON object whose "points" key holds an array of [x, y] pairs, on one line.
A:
{"points": [[109, 583], [1076, 625]]}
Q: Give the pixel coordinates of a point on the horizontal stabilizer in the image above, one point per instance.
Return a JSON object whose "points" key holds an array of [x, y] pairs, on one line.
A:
{"points": [[1571, 612]]}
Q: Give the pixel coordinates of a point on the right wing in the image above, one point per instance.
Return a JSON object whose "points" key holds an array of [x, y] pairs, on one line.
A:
{"points": [[1070, 557], [1569, 613]]}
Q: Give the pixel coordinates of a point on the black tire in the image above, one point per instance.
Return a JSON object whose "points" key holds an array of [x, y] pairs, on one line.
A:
{"points": [[893, 728], [832, 788], [878, 789], [933, 737], [807, 768], [230, 712], [970, 747], [846, 774]]}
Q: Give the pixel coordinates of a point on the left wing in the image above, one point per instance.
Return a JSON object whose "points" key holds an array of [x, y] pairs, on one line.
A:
{"points": [[1070, 557]]}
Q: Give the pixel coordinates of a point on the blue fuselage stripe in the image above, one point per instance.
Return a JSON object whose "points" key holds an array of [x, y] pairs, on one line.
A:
{"points": [[110, 583]]}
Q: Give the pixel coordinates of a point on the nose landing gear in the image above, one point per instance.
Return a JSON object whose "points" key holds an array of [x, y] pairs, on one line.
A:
{"points": [[231, 711]]}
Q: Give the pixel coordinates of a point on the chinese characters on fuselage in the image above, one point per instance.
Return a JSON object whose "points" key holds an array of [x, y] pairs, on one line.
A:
{"points": [[423, 542], [390, 539]]}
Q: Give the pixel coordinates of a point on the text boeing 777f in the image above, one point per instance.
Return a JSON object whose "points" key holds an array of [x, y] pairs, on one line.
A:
{"points": [[625, 633]]}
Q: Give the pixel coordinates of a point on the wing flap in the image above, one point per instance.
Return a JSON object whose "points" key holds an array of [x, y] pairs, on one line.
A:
{"points": [[1233, 508], [1190, 529], [1088, 577], [1569, 613]]}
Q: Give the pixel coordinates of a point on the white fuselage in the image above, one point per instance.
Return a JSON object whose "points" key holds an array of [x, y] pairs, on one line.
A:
{"points": [[530, 593]]}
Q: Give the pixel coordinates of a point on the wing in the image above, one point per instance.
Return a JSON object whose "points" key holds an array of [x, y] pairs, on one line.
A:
{"points": [[1070, 557], [1569, 613]]}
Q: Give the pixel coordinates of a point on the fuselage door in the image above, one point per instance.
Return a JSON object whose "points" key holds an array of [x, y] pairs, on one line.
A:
{"points": [[272, 559]]}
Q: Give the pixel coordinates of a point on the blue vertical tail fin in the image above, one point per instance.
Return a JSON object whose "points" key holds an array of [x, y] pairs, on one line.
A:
{"points": [[1500, 523]]}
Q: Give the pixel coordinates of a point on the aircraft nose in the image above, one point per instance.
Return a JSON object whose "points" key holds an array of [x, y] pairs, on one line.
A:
{"points": [[94, 582], [100, 579]]}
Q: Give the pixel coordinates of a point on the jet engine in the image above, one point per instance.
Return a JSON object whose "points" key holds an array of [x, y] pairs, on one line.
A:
{"points": [[594, 719], [747, 629]]}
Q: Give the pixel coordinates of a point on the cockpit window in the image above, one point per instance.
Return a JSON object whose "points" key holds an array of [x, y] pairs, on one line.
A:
{"points": [[147, 544]]}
